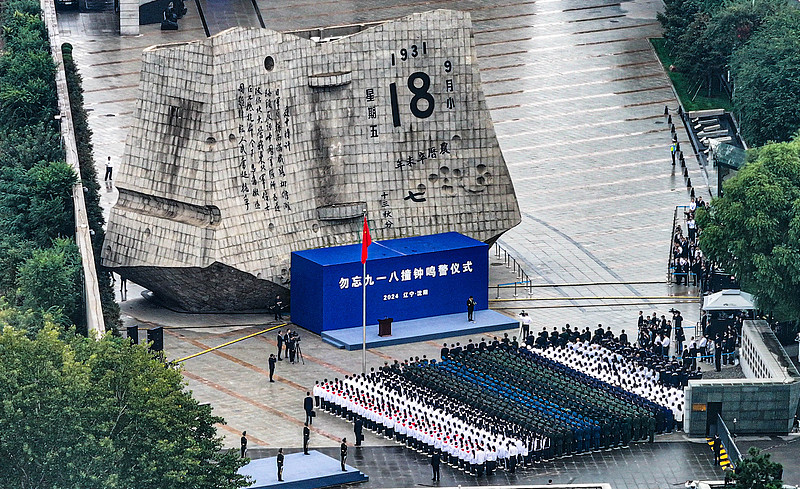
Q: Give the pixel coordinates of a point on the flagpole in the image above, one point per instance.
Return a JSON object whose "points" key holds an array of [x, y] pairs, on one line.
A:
{"points": [[364, 319]]}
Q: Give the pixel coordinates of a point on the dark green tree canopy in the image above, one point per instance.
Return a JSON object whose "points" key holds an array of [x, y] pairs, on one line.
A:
{"points": [[79, 413], [757, 471], [767, 74], [753, 231]]}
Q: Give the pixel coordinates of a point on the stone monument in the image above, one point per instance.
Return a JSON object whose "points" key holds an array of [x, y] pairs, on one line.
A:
{"points": [[253, 143]]}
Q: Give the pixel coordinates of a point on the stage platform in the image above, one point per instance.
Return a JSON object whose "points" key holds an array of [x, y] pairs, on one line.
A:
{"points": [[301, 472], [414, 330]]}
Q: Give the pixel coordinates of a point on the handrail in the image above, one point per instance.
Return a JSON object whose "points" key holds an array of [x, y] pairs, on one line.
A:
{"points": [[94, 310], [734, 455]]}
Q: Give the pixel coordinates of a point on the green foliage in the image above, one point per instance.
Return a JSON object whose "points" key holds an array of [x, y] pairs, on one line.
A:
{"points": [[37, 203], [14, 251], [25, 32], [759, 41], [102, 414], [753, 231], [687, 92], [26, 146], [36, 194], [757, 471], [27, 88], [51, 280], [767, 74]]}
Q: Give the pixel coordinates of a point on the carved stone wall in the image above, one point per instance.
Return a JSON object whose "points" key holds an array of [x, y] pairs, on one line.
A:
{"points": [[252, 144]]}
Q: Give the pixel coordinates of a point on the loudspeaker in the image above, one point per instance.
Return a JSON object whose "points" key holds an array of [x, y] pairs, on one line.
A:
{"points": [[156, 337], [133, 334]]}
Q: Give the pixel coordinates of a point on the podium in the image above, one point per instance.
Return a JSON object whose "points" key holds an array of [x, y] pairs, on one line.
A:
{"points": [[385, 327]]}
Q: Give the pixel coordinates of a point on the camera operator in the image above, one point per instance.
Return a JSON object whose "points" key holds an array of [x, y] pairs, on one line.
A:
{"points": [[294, 340]]}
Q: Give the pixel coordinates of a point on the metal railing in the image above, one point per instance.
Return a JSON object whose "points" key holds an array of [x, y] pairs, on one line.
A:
{"points": [[734, 455], [523, 280]]}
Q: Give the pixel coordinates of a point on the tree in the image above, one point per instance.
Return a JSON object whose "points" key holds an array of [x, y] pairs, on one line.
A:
{"points": [[757, 471], [753, 231], [51, 279], [102, 414], [37, 203], [767, 75]]}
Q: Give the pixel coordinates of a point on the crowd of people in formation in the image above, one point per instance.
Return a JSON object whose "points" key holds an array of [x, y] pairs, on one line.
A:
{"points": [[499, 404], [687, 262]]}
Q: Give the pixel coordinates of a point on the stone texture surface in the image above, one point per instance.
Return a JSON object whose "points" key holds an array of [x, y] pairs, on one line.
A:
{"points": [[243, 142]]}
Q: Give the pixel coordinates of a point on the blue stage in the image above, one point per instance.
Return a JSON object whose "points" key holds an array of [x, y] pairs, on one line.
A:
{"points": [[413, 330], [301, 472]]}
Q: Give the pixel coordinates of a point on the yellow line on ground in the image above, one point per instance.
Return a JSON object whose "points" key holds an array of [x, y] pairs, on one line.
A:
{"points": [[231, 342]]}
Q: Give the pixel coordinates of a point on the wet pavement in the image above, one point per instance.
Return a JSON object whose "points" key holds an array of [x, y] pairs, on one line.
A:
{"points": [[577, 98]]}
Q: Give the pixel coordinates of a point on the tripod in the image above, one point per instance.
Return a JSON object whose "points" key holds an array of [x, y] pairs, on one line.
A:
{"points": [[299, 353]]}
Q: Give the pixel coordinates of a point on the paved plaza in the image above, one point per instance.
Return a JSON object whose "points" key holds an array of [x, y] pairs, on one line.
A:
{"points": [[577, 98]]}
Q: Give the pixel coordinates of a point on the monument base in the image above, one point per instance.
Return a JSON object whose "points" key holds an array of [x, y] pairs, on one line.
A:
{"points": [[301, 472], [422, 329]]}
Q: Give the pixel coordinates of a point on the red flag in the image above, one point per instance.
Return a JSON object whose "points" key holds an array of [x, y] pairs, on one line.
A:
{"points": [[365, 242]]}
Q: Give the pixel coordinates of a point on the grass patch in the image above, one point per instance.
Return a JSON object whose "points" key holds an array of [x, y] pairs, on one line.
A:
{"points": [[685, 89]]}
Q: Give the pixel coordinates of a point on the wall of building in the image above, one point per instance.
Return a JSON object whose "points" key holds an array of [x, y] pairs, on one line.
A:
{"points": [[764, 403]]}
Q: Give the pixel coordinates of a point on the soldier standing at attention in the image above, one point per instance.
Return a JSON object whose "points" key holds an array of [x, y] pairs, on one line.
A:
{"points": [[343, 452], [280, 465], [280, 345], [306, 436]]}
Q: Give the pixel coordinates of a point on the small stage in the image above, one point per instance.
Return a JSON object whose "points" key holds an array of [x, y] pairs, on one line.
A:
{"points": [[301, 472], [414, 330]]}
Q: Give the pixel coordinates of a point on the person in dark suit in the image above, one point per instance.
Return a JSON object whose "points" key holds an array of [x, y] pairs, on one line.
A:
{"points": [[470, 308], [358, 429], [306, 436], [243, 446], [435, 462], [343, 452], [280, 345], [718, 353], [272, 362], [280, 464], [286, 337], [308, 405], [623, 338], [717, 449], [278, 308]]}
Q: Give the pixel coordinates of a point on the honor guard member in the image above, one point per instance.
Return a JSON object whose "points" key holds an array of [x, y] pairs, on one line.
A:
{"points": [[343, 452], [280, 464], [306, 436]]}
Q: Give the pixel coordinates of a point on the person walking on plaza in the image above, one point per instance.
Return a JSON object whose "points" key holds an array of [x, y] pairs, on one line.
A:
{"points": [[109, 170], [280, 465], [306, 436], [470, 309], [435, 462], [280, 345], [343, 452], [358, 430], [243, 444], [308, 405], [272, 362]]}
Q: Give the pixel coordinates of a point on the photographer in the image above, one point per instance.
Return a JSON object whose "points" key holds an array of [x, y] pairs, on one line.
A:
{"points": [[294, 346]]}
